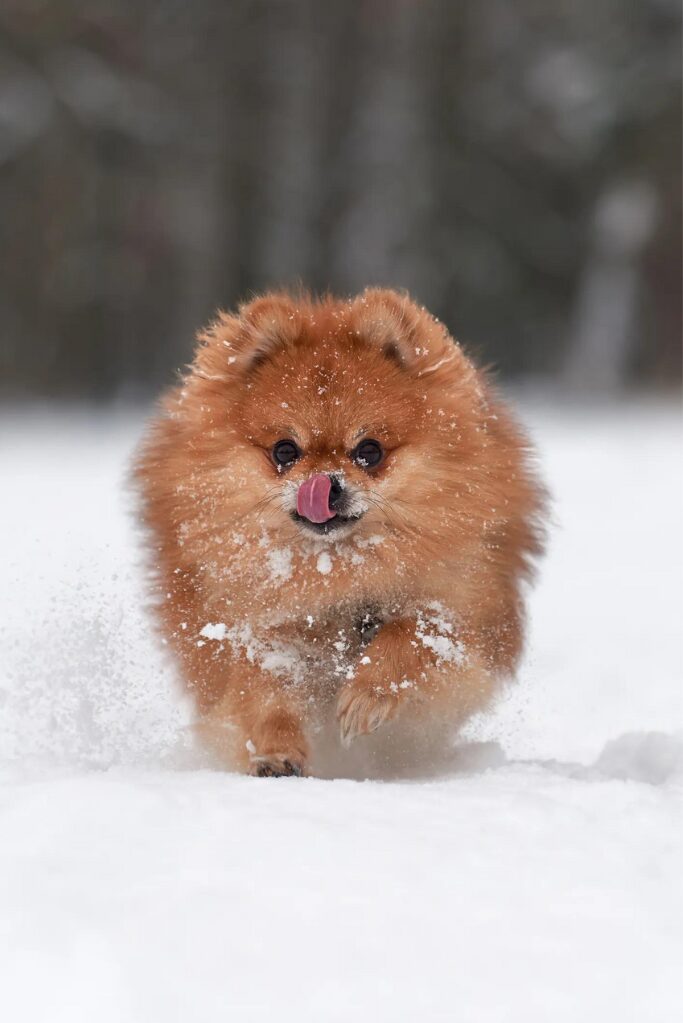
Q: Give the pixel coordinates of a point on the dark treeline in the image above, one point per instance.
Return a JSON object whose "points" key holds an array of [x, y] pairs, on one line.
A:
{"points": [[514, 163]]}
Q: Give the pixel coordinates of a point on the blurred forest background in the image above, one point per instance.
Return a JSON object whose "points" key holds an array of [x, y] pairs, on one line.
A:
{"points": [[516, 164]]}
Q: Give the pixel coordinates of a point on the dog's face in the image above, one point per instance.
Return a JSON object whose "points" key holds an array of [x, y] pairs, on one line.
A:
{"points": [[334, 424]]}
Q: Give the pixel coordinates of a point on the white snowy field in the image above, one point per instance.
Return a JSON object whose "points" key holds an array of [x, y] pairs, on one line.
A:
{"points": [[541, 879]]}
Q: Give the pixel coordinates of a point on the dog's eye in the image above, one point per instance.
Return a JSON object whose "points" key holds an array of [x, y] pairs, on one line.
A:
{"points": [[368, 454], [285, 453]]}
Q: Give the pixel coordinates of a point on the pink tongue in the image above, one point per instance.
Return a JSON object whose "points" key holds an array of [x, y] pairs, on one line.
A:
{"points": [[313, 498]]}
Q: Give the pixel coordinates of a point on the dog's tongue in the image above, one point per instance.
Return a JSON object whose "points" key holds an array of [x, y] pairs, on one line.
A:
{"points": [[313, 498]]}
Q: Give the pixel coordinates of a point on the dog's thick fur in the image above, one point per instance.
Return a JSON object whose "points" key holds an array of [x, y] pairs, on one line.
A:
{"points": [[414, 609]]}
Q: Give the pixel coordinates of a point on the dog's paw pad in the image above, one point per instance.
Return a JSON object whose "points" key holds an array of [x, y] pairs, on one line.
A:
{"points": [[276, 765]]}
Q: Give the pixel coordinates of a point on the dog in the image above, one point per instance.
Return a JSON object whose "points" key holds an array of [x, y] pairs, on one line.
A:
{"points": [[342, 518]]}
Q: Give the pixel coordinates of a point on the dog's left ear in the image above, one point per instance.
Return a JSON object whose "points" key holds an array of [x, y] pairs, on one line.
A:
{"points": [[406, 333]]}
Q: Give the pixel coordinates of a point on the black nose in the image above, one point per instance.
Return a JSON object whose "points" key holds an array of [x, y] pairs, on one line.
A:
{"points": [[336, 491]]}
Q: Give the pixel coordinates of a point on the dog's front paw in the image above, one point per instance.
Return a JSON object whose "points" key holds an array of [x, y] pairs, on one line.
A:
{"points": [[276, 765], [361, 709]]}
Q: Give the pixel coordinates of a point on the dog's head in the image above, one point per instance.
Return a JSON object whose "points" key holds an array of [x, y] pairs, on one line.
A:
{"points": [[340, 421]]}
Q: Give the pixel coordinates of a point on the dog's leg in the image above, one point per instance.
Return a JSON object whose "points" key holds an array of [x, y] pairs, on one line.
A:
{"points": [[258, 725], [277, 745], [411, 660]]}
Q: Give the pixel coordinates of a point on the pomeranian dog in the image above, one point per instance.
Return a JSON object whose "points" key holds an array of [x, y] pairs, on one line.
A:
{"points": [[342, 517]]}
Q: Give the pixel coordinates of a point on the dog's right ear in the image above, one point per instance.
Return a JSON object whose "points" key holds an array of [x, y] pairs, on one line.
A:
{"points": [[232, 345]]}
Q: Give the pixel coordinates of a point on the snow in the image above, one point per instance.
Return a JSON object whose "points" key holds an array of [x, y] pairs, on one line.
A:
{"points": [[434, 631], [280, 562], [214, 630], [324, 563], [536, 877]]}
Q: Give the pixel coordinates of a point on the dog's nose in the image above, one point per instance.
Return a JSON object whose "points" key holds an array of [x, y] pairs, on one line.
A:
{"points": [[336, 491]]}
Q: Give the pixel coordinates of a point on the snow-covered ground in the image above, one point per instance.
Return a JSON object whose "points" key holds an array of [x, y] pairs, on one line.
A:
{"points": [[541, 879]]}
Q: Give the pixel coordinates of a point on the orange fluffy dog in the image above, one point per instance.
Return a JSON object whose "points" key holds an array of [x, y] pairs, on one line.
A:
{"points": [[342, 516]]}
